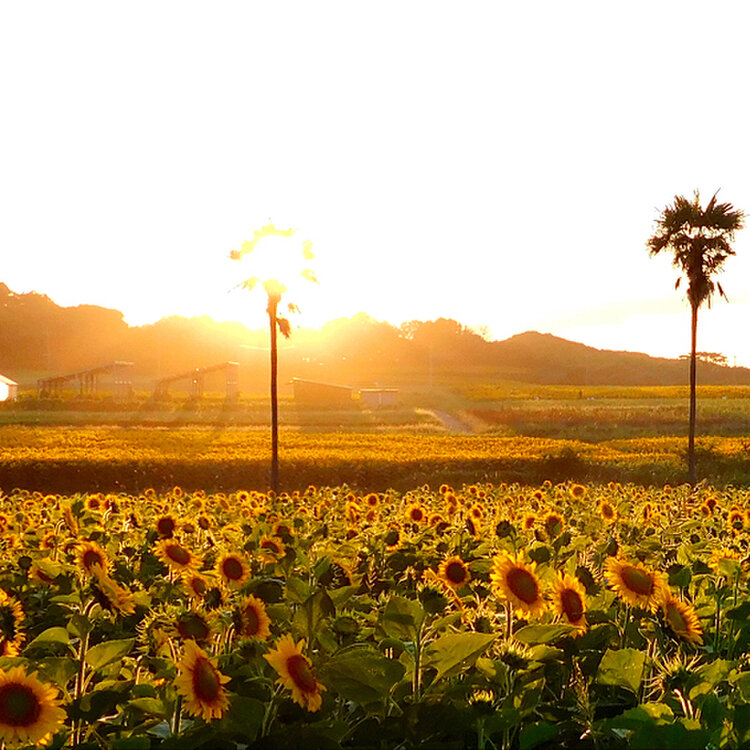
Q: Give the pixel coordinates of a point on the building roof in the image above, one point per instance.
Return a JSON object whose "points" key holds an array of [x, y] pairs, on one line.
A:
{"points": [[7, 381]]}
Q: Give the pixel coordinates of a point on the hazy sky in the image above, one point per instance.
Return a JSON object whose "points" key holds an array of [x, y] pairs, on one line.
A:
{"points": [[499, 163]]}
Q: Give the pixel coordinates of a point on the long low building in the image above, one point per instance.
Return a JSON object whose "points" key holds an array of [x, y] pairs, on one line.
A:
{"points": [[326, 395]]}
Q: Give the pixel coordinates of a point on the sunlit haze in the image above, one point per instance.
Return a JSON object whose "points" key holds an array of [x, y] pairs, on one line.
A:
{"points": [[501, 164]]}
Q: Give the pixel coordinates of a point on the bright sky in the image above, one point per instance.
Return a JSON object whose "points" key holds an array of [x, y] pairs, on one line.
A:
{"points": [[494, 162]]}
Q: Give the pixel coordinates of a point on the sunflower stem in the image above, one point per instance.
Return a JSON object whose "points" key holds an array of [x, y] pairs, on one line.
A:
{"points": [[626, 620], [176, 716], [508, 621], [718, 619]]}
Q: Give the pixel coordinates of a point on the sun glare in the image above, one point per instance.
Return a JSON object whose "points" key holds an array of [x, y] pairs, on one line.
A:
{"points": [[276, 260]]}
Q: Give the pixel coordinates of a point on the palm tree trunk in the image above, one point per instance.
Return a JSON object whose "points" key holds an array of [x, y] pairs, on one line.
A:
{"points": [[273, 302], [691, 427]]}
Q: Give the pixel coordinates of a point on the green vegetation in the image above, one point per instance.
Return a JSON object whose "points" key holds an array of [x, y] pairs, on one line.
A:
{"points": [[599, 617]]}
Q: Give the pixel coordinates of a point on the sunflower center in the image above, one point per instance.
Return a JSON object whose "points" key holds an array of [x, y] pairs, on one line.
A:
{"points": [[19, 705], [416, 515], [199, 586], [270, 545], [91, 557], [676, 619], [523, 585], [178, 554], [301, 673], [165, 527], [455, 572], [193, 627], [572, 605], [206, 684], [232, 569], [638, 581], [251, 621]]}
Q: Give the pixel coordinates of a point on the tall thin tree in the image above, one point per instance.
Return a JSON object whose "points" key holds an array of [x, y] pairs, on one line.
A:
{"points": [[700, 242], [274, 288]]}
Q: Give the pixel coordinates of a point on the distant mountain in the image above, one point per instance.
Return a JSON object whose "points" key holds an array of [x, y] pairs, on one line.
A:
{"points": [[544, 358], [39, 338]]}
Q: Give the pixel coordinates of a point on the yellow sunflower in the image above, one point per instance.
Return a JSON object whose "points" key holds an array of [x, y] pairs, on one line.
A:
{"points": [[113, 597], [553, 523], [176, 556], [514, 580], [682, 619], [201, 684], [251, 620], [11, 617], [569, 600], [577, 491], [635, 584], [296, 672], [166, 526], [91, 556], [736, 520], [193, 626], [30, 712], [270, 548], [415, 513], [454, 572], [232, 569], [195, 584], [607, 511]]}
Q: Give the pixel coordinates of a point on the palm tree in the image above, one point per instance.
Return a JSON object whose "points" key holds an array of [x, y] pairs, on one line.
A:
{"points": [[699, 240], [274, 290]]}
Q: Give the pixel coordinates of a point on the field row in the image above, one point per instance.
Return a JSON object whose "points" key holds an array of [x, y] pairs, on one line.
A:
{"points": [[65, 459]]}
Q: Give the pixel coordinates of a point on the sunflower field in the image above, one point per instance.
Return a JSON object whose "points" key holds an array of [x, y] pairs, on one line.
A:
{"points": [[485, 616]]}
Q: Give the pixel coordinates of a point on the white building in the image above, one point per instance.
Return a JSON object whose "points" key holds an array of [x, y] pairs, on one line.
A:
{"points": [[8, 389], [379, 398]]}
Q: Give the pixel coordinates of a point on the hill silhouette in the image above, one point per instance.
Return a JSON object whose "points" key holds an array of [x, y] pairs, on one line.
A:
{"points": [[39, 338]]}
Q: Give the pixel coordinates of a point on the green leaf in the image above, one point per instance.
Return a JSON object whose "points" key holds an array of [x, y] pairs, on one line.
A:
{"points": [[58, 669], [79, 625], [361, 675], [244, 717], [675, 736], [297, 590], [711, 675], [543, 633], [316, 609], [131, 743], [51, 635], [105, 653], [149, 706], [646, 713], [450, 652], [741, 613], [742, 722], [728, 567], [536, 733], [622, 668], [402, 618], [680, 577]]}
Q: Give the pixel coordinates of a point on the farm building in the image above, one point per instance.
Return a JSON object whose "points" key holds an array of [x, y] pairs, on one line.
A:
{"points": [[8, 389], [379, 398], [322, 395]]}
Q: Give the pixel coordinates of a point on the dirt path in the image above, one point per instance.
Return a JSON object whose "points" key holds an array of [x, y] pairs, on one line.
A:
{"points": [[451, 423]]}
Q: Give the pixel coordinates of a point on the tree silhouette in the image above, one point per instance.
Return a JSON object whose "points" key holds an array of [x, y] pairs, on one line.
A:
{"points": [[699, 240], [274, 289]]}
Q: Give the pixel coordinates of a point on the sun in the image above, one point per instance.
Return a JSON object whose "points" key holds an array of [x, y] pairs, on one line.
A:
{"points": [[276, 260]]}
